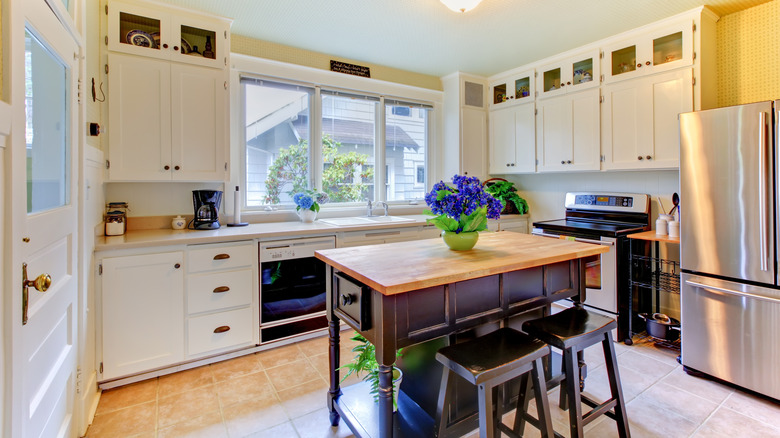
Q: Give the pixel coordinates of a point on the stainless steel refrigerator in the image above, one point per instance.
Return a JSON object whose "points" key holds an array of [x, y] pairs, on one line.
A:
{"points": [[730, 303]]}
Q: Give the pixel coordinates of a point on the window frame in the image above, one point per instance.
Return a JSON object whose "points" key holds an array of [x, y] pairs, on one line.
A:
{"points": [[247, 66]]}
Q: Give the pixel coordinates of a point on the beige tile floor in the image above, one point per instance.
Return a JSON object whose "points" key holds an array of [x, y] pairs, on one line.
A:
{"points": [[281, 393]]}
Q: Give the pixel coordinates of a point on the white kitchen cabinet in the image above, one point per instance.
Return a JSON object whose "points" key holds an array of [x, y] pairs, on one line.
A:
{"points": [[221, 294], [640, 127], [515, 89], [465, 126], [661, 48], [511, 222], [149, 30], [567, 130], [568, 75], [167, 121], [142, 313], [513, 139]]}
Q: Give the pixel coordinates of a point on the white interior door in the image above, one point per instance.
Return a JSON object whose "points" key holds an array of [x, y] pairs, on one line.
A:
{"points": [[42, 234]]}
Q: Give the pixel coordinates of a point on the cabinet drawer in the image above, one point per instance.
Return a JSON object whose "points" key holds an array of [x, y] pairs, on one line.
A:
{"points": [[219, 331], [219, 290], [211, 257]]}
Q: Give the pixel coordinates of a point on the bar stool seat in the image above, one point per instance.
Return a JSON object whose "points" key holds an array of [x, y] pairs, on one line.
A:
{"points": [[487, 362], [573, 330]]}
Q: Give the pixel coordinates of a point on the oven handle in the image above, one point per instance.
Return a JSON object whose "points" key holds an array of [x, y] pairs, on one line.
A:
{"points": [[576, 239]]}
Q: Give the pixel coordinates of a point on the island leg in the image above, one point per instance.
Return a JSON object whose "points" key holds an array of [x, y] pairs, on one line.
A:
{"points": [[385, 400], [334, 360]]}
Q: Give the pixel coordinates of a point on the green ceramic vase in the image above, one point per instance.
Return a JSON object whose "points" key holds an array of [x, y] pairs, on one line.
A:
{"points": [[460, 241]]}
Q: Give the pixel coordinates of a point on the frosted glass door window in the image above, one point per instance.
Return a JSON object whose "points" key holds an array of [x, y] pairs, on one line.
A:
{"points": [[47, 127]]}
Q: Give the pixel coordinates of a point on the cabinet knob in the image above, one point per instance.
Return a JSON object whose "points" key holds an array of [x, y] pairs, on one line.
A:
{"points": [[165, 46], [221, 289], [513, 164], [568, 161], [639, 158], [507, 164], [511, 97], [568, 83], [167, 167], [176, 167], [222, 329], [177, 266], [347, 299], [175, 47], [648, 63], [639, 65], [563, 162], [649, 157], [221, 256]]}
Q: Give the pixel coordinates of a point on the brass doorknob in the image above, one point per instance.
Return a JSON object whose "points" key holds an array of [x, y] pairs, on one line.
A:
{"points": [[41, 282]]}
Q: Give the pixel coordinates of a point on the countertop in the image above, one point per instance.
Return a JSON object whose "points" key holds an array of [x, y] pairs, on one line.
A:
{"points": [[394, 268], [270, 230], [651, 236]]}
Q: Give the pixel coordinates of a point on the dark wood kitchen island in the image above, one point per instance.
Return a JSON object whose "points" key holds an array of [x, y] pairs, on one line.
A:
{"points": [[406, 293]]}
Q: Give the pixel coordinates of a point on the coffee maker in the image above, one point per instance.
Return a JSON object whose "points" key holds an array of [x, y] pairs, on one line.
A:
{"points": [[206, 203]]}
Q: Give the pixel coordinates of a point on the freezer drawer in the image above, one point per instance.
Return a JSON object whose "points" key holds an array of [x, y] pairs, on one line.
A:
{"points": [[732, 331]]}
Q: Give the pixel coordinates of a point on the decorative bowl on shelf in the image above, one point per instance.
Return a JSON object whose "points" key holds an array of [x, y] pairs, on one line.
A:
{"points": [[140, 38]]}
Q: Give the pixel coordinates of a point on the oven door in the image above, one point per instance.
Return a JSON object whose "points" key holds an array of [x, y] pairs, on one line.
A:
{"points": [[600, 271]]}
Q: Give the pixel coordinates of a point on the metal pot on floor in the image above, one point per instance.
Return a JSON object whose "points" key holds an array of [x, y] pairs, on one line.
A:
{"points": [[661, 326]]}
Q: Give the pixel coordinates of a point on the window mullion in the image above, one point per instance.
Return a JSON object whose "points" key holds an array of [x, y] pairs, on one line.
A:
{"points": [[380, 192], [315, 165]]}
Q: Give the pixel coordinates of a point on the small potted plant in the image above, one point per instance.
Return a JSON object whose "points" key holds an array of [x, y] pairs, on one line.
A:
{"points": [[307, 204], [365, 362], [461, 210], [506, 192]]}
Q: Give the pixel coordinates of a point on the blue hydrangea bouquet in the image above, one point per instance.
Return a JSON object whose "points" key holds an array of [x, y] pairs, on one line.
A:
{"points": [[309, 200], [462, 207]]}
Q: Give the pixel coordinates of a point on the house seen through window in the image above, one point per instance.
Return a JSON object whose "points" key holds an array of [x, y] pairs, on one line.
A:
{"points": [[342, 158]]}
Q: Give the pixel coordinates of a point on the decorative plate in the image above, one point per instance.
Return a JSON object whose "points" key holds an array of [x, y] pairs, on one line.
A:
{"points": [[185, 46], [139, 38], [156, 37]]}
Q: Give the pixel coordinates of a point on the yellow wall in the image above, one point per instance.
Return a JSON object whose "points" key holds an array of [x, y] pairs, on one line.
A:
{"points": [[293, 55], [749, 55]]}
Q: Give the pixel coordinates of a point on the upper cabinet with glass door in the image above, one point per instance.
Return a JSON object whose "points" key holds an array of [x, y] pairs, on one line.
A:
{"points": [[143, 29], [658, 50], [568, 75], [514, 89]]}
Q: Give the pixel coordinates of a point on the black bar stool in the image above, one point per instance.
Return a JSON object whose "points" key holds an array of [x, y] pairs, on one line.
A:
{"points": [[489, 361], [573, 330]]}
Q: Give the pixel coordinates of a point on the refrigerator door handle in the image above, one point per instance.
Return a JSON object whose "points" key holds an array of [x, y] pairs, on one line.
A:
{"points": [[722, 290], [762, 191]]}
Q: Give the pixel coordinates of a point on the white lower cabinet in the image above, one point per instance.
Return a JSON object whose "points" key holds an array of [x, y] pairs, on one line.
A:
{"points": [[567, 132], [142, 313], [219, 331], [640, 127]]}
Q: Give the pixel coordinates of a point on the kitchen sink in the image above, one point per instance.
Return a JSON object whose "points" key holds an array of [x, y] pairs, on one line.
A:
{"points": [[363, 220]]}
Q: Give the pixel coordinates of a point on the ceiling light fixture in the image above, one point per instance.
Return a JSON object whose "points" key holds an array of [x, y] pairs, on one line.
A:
{"points": [[461, 5]]}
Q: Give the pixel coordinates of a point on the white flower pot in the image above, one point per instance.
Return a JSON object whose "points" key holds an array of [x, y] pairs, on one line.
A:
{"points": [[307, 216]]}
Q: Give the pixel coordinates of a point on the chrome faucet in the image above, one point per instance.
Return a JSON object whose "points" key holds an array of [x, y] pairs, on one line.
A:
{"points": [[370, 207]]}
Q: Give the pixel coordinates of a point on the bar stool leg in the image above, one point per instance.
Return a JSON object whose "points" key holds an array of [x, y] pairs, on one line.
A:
{"points": [[486, 420], [441, 415], [573, 388], [523, 399], [542, 405], [614, 384]]}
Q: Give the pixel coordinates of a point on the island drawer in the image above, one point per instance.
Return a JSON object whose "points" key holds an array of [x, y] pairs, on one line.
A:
{"points": [[218, 331], [354, 300], [220, 256], [219, 290]]}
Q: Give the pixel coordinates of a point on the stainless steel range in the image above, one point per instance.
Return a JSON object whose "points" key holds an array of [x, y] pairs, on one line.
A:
{"points": [[603, 219]]}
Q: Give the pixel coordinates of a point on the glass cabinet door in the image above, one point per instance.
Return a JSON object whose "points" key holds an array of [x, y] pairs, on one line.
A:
{"points": [[515, 89], [138, 31], [660, 50], [202, 43], [572, 74]]}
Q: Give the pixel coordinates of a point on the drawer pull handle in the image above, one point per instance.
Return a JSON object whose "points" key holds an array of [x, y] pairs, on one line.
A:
{"points": [[221, 256], [347, 299], [222, 329], [220, 289]]}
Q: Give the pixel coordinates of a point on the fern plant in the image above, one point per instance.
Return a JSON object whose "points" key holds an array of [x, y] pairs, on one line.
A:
{"points": [[365, 362], [505, 192]]}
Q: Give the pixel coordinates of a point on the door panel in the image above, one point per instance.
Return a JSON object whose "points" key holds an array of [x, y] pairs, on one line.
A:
{"points": [[728, 227], [43, 175]]}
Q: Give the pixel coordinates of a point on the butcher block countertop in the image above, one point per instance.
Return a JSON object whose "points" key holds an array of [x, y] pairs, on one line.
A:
{"points": [[394, 268]]}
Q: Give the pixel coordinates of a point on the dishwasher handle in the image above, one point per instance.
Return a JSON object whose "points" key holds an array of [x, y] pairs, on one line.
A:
{"points": [[726, 291], [576, 239]]}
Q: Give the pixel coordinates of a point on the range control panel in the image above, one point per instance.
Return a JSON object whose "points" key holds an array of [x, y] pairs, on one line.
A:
{"points": [[610, 200], [616, 202]]}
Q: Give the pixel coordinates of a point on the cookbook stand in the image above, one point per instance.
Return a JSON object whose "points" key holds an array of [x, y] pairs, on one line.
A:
{"points": [[650, 271]]}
